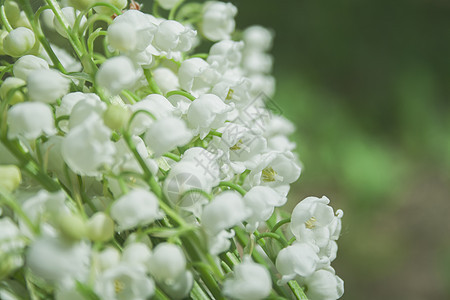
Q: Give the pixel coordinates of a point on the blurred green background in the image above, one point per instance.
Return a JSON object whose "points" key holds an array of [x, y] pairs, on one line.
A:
{"points": [[367, 85]]}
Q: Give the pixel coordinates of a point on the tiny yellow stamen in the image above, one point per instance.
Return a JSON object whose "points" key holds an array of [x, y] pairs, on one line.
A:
{"points": [[229, 94], [268, 174], [237, 146], [118, 286], [311, 223]]}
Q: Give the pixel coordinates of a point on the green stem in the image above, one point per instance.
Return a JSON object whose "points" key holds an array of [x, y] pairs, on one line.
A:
{"points": [[59, 15], [273, 236], [26, 6], [234, 186], [197, 293], [30, 166], [151, 81], [297, 290], [92, 38], [280, 223], [4, 19], [172, 156], [243, 240], [182, 93], [197, 191], [5, 197], [109, 5], [160, 294], [215, 133], [174, 9]]}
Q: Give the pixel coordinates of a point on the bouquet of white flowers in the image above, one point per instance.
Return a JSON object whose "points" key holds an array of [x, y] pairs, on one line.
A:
{"points": [[134, 167]]}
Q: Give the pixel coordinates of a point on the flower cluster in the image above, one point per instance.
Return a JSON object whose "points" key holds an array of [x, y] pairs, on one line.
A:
{"points": [[134, 167]]}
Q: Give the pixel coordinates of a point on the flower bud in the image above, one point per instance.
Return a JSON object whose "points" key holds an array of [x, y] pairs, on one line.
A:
{"points": [[18, 42], [47, 86], [70, 14], [25, 65], [10, 177], [120, 4], [12, 11], [100, 227], [116, 116], [9, 84], [167, 4], [167, 262], [3, 34], [71, 226], [81, 4]]}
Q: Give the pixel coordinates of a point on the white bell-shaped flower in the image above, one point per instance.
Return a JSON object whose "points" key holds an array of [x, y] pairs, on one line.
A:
{"points": [[220, 242], [313, 220], [70, 14], [180, 287], [257, 62], [137, 208], [124, 281], [107, 258], [242, 143], [19, 42], [132, 31], [235, 90], [171, 36], [157, 105], [262, 83], [298, 259], [226, 54], [185, 176], [47, 85], [116, 74], [207, 112], [274, 169], [197, 76], [218, 20], [42, 208], [30, 120], [261, 200], [166, 79], [27, 64], [324, 285], [166, 134], [124, 160], [56, 259], [137, 254], [87, 147], [80, 107], [226, 210], [257, 38], [251, 281], [167, 262]]}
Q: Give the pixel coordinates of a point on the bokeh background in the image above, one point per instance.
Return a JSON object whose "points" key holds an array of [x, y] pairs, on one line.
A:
{"points": [[367, 85]]}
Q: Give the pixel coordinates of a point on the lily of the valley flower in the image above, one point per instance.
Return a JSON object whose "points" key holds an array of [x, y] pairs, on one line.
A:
{"points": [[251, 281], [218, 20], [30, 120], [137, 208]]}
